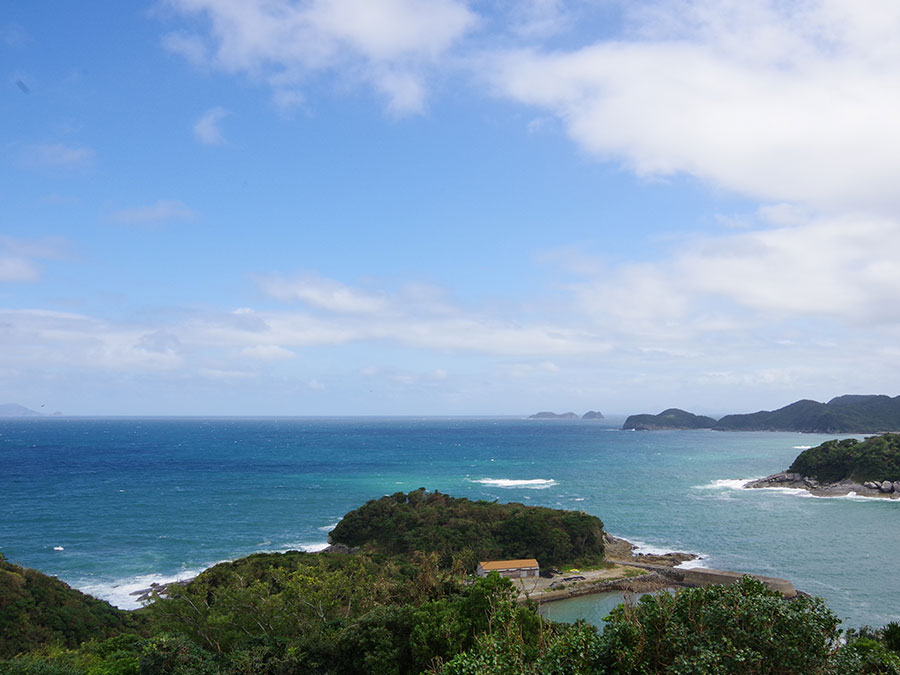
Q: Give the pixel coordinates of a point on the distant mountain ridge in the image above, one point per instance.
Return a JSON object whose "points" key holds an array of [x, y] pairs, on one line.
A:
{"points": [[848, 414], [16, 410]]}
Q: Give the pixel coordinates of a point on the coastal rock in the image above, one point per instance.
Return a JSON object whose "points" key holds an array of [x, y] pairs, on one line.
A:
{"points": [[872, 485], [887, 486], [780, 479], [897, 486], [592, 415]]}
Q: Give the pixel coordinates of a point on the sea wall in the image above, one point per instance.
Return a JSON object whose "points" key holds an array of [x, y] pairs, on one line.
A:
{"points": [[702, 576]]}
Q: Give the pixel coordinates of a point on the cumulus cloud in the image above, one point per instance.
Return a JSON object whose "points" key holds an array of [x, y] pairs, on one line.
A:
{"points": [[208, 128], [390, 44], [162, 211], [836, 269], [786, 102]]}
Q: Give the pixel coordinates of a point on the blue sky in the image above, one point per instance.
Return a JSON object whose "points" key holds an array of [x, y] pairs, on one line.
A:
{"points": [[416, 207]]}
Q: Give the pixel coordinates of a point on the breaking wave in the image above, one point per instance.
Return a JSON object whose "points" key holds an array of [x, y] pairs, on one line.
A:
{"points": [[530, 483]]}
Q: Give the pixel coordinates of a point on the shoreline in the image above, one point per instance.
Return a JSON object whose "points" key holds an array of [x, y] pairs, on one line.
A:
{"points": [[786, 480], [630, 572], [636, 573]]}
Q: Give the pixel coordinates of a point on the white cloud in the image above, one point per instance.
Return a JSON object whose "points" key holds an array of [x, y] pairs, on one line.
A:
{"points": [[56, 155], [17, 257], [268, 353], [17, 269], [388, 43], [838, 269], [162, 211], [784, 102], [47, 339], [325, 294], [208, 128]]}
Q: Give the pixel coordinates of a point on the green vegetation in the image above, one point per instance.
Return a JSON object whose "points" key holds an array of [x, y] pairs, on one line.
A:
{"points": [[471, 530], [852, 414], [673, 418], [876, 458], [36, 609], [415, 611]]}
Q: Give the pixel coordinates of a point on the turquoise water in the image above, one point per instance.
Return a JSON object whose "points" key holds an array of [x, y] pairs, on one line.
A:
{"points": [[111, 505]]}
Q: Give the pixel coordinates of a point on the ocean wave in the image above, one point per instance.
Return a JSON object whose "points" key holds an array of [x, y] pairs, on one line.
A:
{"points": [[801, 447], [119, 592], [530, 483], [306, 547], [653, 549], [726, 484], [329, 528]]}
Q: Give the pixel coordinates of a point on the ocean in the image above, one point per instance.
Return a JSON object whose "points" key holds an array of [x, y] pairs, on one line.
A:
{"points": [[112, 505]]}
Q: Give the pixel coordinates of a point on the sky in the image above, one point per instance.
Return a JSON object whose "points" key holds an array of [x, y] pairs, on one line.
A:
{"points": [[447, 207]]}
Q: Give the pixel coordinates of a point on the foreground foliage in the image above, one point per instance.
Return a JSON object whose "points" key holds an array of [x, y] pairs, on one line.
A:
{"points": [[876, 458], [372, 613], [36, 609]]}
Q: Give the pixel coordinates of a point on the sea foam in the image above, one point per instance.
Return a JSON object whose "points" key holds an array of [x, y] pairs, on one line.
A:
{"points": [[530, 483], [726, 484], [120, 592]]}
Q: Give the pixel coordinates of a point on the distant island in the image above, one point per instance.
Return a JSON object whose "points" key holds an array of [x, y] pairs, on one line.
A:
{"points": [[849, 414], [547, 415], [869, 468], [673, 418], [16, 410]]}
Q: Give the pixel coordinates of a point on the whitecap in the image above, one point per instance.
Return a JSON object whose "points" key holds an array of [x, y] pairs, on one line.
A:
{"points": [[120, 592], [652, 549], [329, 528], [801, 447], [58, 548], [306, 547], [530, 483], [726, 484]]}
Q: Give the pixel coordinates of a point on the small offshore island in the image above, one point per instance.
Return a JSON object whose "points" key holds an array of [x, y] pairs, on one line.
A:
{"points": [[869, 468], [395, 594]]}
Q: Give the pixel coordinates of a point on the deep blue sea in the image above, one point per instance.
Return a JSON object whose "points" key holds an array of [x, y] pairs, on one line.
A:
{"points": [[111, 505]]}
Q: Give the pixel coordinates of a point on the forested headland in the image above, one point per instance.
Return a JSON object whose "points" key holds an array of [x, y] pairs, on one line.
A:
{"points": [[397, 596]]}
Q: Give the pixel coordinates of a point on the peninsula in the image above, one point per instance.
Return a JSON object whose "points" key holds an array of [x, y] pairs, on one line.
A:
{"points": [[849, 414], [869, 468]]}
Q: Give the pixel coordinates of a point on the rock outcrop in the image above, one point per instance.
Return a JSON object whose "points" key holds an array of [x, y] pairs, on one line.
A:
{"points": [[788, 479]]}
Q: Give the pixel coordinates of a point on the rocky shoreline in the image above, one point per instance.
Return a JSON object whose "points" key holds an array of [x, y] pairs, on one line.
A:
{"points": [[786, 479]]}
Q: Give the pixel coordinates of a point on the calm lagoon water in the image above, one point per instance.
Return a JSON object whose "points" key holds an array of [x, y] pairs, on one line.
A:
{"points": [[110, 505]]}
